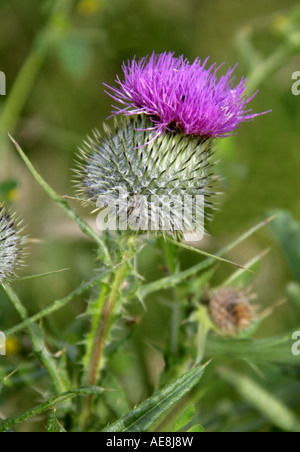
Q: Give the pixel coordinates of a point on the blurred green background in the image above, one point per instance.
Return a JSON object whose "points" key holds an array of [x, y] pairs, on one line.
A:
{"points": [[64, 51]]}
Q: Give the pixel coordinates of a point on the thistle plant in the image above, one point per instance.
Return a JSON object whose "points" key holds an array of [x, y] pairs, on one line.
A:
{"points": [[165, 153], [153, 174]]}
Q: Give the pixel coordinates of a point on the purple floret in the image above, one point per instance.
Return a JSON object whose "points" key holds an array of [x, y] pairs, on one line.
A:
{"points": [[178, 95]]}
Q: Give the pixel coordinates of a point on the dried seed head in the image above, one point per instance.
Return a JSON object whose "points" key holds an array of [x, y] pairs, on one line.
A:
{"points": [[159, 178], [10, 244], [231, 310]]}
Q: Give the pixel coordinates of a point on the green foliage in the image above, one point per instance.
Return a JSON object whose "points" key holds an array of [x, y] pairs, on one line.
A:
{"points": [[263, 401], [54, 401], [52, 426], [144, 416], [185, 418]]}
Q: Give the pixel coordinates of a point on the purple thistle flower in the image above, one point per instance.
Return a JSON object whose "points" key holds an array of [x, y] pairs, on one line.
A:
{"points": [[178, 95]]}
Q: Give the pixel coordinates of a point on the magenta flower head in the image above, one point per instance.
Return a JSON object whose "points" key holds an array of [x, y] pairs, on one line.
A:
{"points": [[184, 96]]}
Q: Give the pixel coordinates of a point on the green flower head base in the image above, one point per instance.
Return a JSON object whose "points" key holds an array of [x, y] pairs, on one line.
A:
{"points": [[145, 184], [11, 244]]}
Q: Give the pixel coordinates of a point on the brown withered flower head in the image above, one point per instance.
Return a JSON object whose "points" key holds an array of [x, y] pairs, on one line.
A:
{"points": [[231, 309]]}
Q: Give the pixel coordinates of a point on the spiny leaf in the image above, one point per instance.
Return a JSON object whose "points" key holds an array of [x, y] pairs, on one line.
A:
{"points": [[52, 426], [206, 254], [50, 404], [276, 350], [59, 304], [142, 418], [196, 429]]}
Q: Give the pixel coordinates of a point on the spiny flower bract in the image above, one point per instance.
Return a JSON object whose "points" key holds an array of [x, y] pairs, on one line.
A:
{"points": [[179, 95], [10, 244], [171, 167]]}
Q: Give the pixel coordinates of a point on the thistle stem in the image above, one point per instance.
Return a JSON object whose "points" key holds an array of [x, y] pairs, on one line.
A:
{"points": [[101, 326], [104, 327]]}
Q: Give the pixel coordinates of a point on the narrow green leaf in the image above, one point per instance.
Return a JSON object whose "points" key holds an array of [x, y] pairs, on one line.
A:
{"points": [[185, 418], [59, 304], [265, 402], [50, 404], [142, 418], [40, 275], [277, 350], [52, 426], [205, 253], [196, 429], [241, 276]]}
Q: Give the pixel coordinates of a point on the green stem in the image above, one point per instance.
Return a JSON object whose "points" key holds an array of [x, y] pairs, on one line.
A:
{"points": [[101, 326], [104, 325], [60, 381]]}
